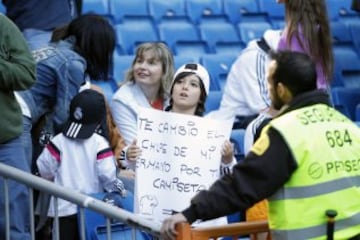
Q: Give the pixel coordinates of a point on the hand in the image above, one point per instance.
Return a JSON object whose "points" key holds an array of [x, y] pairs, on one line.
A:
{"points": [[127, 173], [168, 231], [133, 152], [227, 152]]}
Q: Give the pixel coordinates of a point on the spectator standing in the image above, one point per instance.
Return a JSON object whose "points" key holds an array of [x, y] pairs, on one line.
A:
{"points": [[38, 18], [80, 51], [281, 164], [17, 72], [307, 30], [91, 170]]}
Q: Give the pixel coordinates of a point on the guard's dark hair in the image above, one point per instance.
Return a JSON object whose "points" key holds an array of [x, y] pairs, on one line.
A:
{"points": [[200, 109], [95, 41], [295, 70]]}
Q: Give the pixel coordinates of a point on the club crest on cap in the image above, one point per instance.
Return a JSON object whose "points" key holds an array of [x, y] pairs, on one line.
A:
{"points": [[78, 115]]}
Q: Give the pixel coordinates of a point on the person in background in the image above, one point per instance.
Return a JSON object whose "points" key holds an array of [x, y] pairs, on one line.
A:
{"points": [[307, 30], [146, 85], [37, 18], [79, 158], [81, 50], [245, 93], [297, 173], [17, 72]]}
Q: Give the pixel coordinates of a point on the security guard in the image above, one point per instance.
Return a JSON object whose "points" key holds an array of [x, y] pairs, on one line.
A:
{"points": [[306, 161]]}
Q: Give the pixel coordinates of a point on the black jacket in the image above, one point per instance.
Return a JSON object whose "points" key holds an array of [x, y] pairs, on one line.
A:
{"points": [[255, 178]]}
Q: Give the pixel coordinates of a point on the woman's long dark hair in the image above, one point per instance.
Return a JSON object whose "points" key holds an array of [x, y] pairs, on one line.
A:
{"points": [[200, 109], [95, 41]]}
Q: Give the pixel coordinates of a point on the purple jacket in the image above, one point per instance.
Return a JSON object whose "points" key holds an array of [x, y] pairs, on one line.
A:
{"points": [[295, 46]]}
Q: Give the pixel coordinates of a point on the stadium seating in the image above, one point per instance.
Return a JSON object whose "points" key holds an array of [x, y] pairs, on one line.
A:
{"points": [[183, 38], [355, 33], [121, 65], [213, 101], [204, 10], [237, 137], [180, 60], [121, 10], [130, 34], [207, 30], [340, 33], [346, 100], [218, 66], [162, 10], [252, 30], [2, 8], [275, 11], [237, 11], [347, 67], [100, 7], [221, 37], [339, 9]]}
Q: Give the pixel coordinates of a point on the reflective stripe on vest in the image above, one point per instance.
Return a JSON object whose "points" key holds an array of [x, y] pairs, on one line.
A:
{"points": [[317, 231], [318, 189], [326, 146]]}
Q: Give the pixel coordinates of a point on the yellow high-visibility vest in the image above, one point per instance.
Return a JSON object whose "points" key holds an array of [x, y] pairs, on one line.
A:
{"points": [[326, 147]]}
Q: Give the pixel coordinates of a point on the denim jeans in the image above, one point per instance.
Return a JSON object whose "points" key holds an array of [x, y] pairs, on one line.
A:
{"points": [[27, 141], [12, 154]]}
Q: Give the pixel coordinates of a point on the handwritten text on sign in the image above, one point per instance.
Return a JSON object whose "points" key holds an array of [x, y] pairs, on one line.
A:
{"points": [[180, 157]]}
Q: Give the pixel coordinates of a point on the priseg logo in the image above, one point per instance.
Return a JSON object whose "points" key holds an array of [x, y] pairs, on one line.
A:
{"points": [[315, 170]]}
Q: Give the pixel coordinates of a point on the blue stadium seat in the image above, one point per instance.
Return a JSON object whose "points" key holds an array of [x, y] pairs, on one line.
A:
{"points": [[236, 10], [132, 33], [275, 11], [340, 33], [120, 9], [180, 60], [237, 137], [213, 101], [182, 37], [252, 30], [221, 37], [108, 87], [346, 100], [355, 33], [2, 8], [347, 67], [205, 10], [338, 9], [100, 7], [162, 10], [121, 64], [218, 66]]}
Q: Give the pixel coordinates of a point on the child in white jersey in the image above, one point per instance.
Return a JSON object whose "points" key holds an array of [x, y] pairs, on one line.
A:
{"points": [[79, 158]]}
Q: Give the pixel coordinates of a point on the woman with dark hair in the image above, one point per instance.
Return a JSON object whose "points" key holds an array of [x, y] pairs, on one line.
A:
{"points": [[78, 52], [307, 30]]}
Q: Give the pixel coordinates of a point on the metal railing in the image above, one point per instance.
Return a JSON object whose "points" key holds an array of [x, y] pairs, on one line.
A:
{"points": [[82, 200]]}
